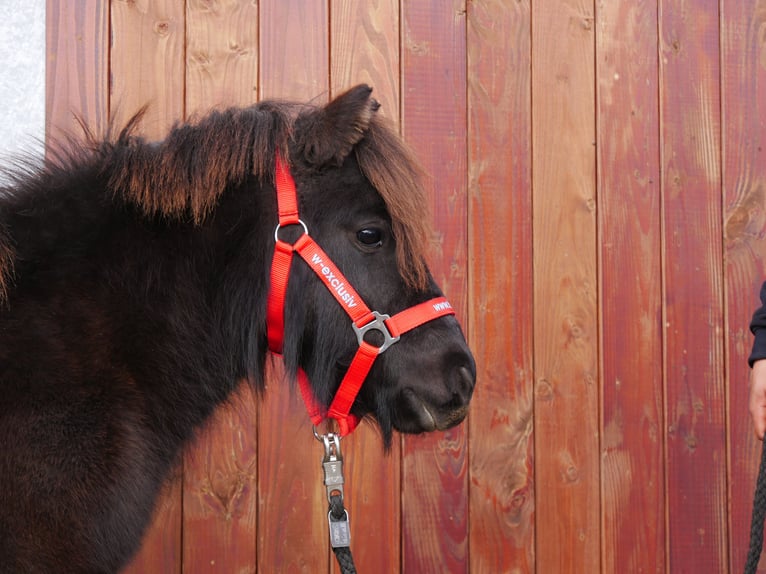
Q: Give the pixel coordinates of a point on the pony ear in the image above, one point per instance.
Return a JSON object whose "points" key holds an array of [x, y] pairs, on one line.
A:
{"points": [[327, 135]]}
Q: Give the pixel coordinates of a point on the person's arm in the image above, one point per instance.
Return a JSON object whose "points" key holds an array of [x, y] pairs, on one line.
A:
{"points": [[758, 397], [757, 362]]}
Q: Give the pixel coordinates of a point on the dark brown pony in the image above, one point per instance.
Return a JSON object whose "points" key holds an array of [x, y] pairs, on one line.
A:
{"points": [[133, 284]]}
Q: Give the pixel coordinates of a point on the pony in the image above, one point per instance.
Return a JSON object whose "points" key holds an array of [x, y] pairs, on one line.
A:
{"points": [[134, 278]]}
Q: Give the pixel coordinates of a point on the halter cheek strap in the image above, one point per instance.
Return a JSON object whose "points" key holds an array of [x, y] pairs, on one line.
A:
{"points": [[362, 318]]}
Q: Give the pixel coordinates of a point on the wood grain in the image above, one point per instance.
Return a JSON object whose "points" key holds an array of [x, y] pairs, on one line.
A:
{"points": [[695, 394], [566, 411], [161, 547], [743, 91], [292, 518], [434, 467], [365, 48], [632, 481], [294, 49], [502, 526], [147, 67], [147, 63], [220, 500], [221, 54], [77, 67]]}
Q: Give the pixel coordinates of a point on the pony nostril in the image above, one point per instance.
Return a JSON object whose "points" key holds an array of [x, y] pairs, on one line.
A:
{"points": [[465, 380]]}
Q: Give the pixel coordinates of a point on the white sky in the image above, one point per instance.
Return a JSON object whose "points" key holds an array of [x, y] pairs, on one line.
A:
{"points": [[22, 75]]}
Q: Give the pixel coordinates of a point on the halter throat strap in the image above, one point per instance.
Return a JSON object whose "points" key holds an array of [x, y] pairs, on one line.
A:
{"points": [[363, 320]]}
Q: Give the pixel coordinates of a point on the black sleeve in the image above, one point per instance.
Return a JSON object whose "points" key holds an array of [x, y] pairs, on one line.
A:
{"points": [[758, 328]]}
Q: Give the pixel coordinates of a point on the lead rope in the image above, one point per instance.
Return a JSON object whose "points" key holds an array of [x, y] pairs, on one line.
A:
{"points": [[759, 512], [337, 515]]}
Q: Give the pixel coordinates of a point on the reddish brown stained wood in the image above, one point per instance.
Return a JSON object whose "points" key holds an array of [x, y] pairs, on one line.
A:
{"points": [[372, 493], [147, 67], [221, 54], [566, 409], [292, 506], [294, 49], [632, 478], [292, 517], [77, 67], [744, 185], [147, 63], [500, 303], [434, 472], [695, 439], [365, 48], [161, 547], [220, 500]]}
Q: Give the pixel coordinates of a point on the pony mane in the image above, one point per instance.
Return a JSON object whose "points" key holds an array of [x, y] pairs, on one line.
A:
{"points": [[188, 171], [185, 174]]}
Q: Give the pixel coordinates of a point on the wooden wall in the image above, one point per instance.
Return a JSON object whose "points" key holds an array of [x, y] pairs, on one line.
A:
{"points": [[599, 190]]}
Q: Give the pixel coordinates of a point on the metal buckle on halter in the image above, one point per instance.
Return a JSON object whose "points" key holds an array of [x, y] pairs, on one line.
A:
{"points": [[377, 324]]}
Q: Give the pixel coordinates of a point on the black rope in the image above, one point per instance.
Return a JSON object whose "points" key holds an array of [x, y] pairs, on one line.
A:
{"points": [[342, 554], [759, 512], [345, 561]]}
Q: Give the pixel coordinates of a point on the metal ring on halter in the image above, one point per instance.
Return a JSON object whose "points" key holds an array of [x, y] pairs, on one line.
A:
{"points": [[320, 437], [299, 222]]}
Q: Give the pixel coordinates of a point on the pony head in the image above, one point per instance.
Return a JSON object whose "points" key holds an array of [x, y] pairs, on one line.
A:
{"points": [[361, 197]]}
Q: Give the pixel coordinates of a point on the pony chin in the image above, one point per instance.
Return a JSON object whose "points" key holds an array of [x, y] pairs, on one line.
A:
{"points": [[416, 414], [430, 399]]}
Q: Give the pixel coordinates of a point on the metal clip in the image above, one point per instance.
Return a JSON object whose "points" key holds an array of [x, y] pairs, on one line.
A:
{"points": [[340, 530], [332, 464]]}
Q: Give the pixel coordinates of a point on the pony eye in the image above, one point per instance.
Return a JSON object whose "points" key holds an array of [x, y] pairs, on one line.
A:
{"points": [[370, 237]]}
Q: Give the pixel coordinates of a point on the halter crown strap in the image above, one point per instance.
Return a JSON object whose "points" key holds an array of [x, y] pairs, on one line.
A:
{"points": [[362, 319]]}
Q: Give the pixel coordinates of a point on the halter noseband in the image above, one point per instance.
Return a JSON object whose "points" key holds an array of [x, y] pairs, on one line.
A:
{"points": [[362, 319]]}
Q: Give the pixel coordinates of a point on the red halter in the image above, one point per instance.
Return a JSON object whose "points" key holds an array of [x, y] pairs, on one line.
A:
{"points": [[362, 319]]}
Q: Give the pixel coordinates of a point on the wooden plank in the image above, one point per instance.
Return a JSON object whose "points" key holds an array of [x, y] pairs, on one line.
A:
{"points": [[434, 466], [695, 394], [220, 502], [220, 498], [744, 184], [77, 67], [292, 527], [221, 54], [147, 67], [566, 412], [632, 479], [147, 63], [365, 48], [500, 286], [161, 547], [294, 49]]}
